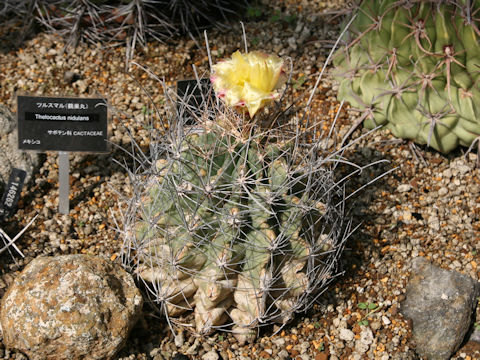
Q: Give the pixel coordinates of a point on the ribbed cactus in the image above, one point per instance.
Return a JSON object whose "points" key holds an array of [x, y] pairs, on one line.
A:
{"points": [[235, 230], [238, 219], [413, 66]]}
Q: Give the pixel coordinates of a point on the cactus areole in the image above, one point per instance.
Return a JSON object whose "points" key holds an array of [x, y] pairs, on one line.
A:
{"points": [[414, 67]]}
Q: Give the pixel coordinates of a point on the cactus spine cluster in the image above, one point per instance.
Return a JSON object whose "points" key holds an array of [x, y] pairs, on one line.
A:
{"points": [[133, 22], [413, 67]]}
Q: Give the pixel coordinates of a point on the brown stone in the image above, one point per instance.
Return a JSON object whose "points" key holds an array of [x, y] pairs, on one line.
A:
{"points": [[264, 355], [294, 353], [70, 307]]}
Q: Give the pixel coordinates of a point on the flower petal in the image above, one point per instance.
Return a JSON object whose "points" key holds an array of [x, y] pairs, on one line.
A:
{"points": [[250, 79]]}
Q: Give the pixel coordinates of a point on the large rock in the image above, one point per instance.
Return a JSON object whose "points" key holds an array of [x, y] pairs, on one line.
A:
{"points": [[70, 307], [10, 156], [440, 304]]}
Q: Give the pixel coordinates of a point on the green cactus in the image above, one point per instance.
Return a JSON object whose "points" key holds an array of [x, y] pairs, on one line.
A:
{"points": [[238, 218], [229, 227], [413, 67]]}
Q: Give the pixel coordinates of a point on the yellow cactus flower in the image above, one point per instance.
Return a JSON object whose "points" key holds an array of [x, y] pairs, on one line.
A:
{"points": [[248, 80]]}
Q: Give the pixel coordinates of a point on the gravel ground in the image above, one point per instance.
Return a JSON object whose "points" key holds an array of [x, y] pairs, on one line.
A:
{"points": [[423, 208]]}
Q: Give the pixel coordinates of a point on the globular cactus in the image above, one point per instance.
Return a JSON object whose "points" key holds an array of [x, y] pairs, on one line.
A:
{"points": [[237, 220], [235, 230], [413, 67]]}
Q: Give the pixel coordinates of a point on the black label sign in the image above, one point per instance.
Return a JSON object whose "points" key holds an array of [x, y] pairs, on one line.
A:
{"points": [[12, 192], [62, 124], [193, 96]]}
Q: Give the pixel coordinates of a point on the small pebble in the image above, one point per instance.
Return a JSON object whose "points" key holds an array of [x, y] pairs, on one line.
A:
{"points": [[179, 339], [346, 335], [211, 355], [404, 188]]}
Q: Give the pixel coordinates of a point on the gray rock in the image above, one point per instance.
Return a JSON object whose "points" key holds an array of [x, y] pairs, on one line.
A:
{"points": [[440, 304], [10, 156], [70, 307]]}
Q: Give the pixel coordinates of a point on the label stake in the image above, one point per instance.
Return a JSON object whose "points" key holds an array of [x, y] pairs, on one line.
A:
{"points": [[63, 124], [64, 179]]}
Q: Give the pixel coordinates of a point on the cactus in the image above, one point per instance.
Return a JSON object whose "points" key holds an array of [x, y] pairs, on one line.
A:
{"points": [[238, 221], [227, 230], [412, 66], [237, 230]]}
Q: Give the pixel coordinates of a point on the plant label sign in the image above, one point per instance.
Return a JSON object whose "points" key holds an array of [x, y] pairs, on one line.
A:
{"points": [[62, 124], [193, 95], [12, 192]]}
